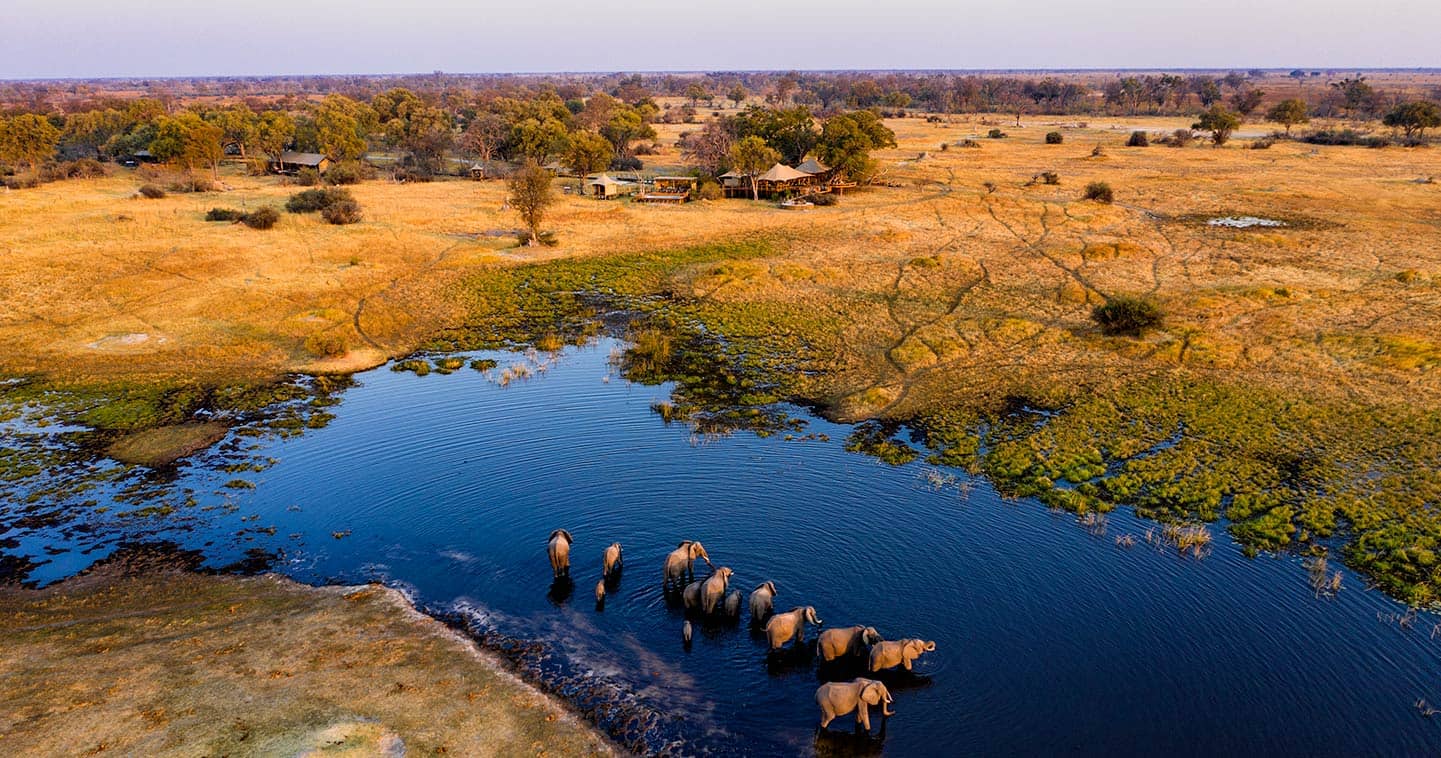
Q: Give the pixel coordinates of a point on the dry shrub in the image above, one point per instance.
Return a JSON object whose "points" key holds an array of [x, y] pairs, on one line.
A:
{"points": [[312, 200], [710, 191], [307, 177], [1101, 192], [349, 172], [342, 212], [224, 214], [1054, 138], [326, 345], [1125, 314], [262, 218], [151, 192], [1138, 139]]}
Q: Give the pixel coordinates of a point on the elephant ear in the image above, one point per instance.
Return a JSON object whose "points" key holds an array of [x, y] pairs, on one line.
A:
{"points": [[871, 693], [568, 538]]}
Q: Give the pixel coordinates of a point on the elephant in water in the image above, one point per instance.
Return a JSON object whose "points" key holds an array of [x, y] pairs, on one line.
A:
{"points": [[732, 605], [899, 653], [840, 698], [691, 596], [792, 624], [762, 602], [559, 550], [713, 591], [611, 562], [847, 642], [680, 563]]}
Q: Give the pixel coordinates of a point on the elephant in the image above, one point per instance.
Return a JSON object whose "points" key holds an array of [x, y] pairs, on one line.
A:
{"points": [[713, 591], [840, 698], [732, 605], [899, 653], [611, 562], [792, 624], [559, 549], [762, 602], [685, 632], [691, 595], [680, 563], [600, 592], [846, 642]]}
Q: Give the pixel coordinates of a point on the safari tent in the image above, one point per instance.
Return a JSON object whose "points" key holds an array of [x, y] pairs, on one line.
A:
{"points": [[607, 188], [783, 180], [292, 162]]}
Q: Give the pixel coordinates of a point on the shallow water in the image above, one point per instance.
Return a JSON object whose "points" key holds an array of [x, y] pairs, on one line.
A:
{"points": [[1050, 638]]}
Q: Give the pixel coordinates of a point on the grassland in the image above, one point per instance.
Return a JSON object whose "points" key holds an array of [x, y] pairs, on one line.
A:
{"points": [[1292, 387]]}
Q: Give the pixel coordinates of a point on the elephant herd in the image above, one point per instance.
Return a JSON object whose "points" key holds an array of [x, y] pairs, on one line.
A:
{"points": [[712, 598]]}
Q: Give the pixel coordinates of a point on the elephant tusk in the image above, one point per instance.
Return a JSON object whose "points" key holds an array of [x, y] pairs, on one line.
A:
{"points": [[886, 711]]}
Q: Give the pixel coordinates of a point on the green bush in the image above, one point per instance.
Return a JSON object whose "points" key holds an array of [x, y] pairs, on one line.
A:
{"points": [[151, 191], [224, 214], [261, 218], [348, 172], [1100, 192], [313, 200], [1054, 138], [1125, 314], [996, 134], [830, 198], [1138, 139], [307, 177], [710, 191], [343, 212]]}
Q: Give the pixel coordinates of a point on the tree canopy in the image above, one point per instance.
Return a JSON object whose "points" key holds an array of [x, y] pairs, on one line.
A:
{"points": [[28, 139], [1414, 117], [751, 155], [531, 195], [1288, 113], [1219, 122], [588, 153], [846, 142]]}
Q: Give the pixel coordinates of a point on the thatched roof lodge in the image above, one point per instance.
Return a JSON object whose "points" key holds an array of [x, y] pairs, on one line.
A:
{"points": [[292, 162]]}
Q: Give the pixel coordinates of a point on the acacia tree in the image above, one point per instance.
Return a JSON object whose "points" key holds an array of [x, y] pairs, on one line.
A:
{"points": [[1247, 100], [484, 136], [273, 134], [28, 139], [188, 140], [588, 153], [1414, 117], [751, 156], [738, 95], [708, 148], [847, 140], [1288, 113], [1219, 122], [530, 193]]}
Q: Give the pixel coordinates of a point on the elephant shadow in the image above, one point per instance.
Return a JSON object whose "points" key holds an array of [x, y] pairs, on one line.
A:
{"points": [[790, 659], [560, 590], [842, 669], [831, 743], [900, 680]]}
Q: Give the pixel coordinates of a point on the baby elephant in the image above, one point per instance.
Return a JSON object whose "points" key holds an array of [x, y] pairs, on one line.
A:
{"points": [[899, 653], [763, 600], [792, 624], [611, 562], [732, 605], [847, 642], [559, 549], [691, 596], [840, 698]]}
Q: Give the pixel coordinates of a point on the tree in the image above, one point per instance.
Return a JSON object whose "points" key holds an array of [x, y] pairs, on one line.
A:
{"points": [[274, 133], [91, 130], [29, 139], [737, 95], [530, 193], [626, 125], [708, 148], [695, 92], [237, 124], [847, 140], [791, 131], [752, 156], [1247, 100], [1357, 96], [588, 153], [189, 141], [341, 127], [1289, 112], [484, 136], [1219, 122], [1414, 117]]}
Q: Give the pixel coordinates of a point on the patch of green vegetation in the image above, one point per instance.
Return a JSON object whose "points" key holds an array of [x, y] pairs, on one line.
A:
{"points": [[417, 366], [878, 441], [483, 364], [448, 365]]}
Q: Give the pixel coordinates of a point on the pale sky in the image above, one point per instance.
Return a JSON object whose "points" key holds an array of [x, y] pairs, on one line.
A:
{"points": [[99, 38]]}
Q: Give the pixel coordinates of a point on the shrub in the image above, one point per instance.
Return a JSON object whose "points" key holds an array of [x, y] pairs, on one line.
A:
{"points": [[307, 177], [1264, 143], [343, 212], [1182, 137], [261, 218], [996, 134], [406, 175], [1054, 138], [710, 191], [1125, 314], [631, 163], [22, 181], [84, 168], [326, 345], [1343, 137], [1100, 192], [1049, 177], [192, 183], [312, 200], [257, 166], [1138, 139], [827, 199], [151, 191], [348, 172], [1098, 152], [945, 146], [224, 214], [547, 239], [968, 142]]}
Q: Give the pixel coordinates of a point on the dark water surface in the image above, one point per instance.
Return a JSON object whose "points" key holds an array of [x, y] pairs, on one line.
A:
{"points": [[1051, 639]]}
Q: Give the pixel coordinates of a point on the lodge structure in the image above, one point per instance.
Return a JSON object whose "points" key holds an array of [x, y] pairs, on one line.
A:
{"points": [[292, 163], [669, 189], [604, 187], [781, 182]]}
